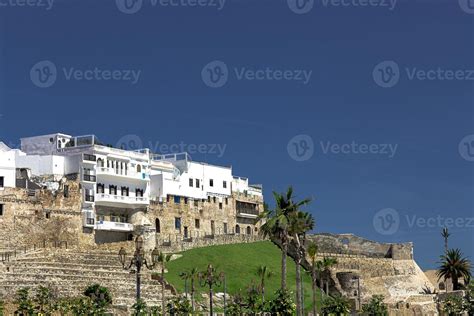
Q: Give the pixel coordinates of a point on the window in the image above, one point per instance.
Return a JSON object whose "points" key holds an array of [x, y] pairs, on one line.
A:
{"points": [[191, 183], [47, 215], [211, 182], [125, 191], [226, 201], [157, 225], [214, 199], [100, 188], [168, 198], [100, 218], [66, 191], [225, 228], [1, 209], [220, 205], [185, 200], [196, 203], [197, 183], [197, 223], [112, 190], [2, 182], [177, 199], [209, 199], [177, 222], [224, 184], [139, 192]]}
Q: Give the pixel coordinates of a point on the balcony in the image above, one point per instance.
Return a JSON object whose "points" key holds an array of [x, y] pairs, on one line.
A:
{"points": [[89, 178], [115, 200], [247, 215], [91, 159], [114, 226], [126, 174]]}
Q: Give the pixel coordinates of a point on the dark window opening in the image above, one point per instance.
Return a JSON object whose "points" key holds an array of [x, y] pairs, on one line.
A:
{"points": [[211, 182], [177, 222], [209, 199], [214, 199], [157, 225], [220, 206], [100, 188], [177, 199], [197, 183], [139, 192], [48, 215], [226, 201], [185, 200], [1, 209], [197, 223], [224, 184], [125, 191], [191, 183], [167, 198], [2, 182], [225, 228], [66, 191], [112, 189]]}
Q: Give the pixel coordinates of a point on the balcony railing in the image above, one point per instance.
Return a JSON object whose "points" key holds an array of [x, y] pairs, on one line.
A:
{"points": [[122, 173], [121, 198], [89, 178], [114, 226], [87, 157]]}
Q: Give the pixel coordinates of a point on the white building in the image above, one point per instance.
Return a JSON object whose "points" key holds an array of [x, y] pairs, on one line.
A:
{"points": [[116, 182]]}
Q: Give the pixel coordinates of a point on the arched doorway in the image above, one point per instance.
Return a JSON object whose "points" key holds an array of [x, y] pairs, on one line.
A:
{"points": [[157, 226], [249, 230], [237, 229]]}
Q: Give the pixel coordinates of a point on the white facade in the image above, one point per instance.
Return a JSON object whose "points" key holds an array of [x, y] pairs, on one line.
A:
{"points": [[115, 180]]}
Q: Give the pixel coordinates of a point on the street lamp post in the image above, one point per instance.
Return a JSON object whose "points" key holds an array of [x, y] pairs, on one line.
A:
{"points": [[138, 260], [210, 278]]}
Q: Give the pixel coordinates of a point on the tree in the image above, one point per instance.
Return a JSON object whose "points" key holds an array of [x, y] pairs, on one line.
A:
{"points": [[312, 252], [300, 223], [335, 305], [192, 276], [445, 233], [327, 264], [163, 259], [454, 266], [282, 304], [277, 223], [375, 307], [263, 273]]}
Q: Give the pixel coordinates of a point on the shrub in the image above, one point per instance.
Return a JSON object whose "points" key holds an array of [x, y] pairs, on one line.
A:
{"points": [[24, 303], [140, 308], [43, 301], [283, 303], [180, 306], [99, 295], [375, 307], [335, 305], [453, 305]]}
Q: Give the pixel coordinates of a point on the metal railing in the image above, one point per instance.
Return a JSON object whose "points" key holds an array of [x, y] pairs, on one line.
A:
{"points": [[8, 255]]}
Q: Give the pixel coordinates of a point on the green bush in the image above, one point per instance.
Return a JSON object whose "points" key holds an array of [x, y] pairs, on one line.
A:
{"points": [[99, 295], [453, 305], [180, 306], [24, 303], [283, 303], [335, 306], [375, 307]]}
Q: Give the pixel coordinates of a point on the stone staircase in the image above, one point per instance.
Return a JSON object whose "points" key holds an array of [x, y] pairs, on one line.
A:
{"points": [[68, 272]]}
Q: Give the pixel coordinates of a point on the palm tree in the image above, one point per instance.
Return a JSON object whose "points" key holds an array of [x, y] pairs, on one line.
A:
{"points": [[312, 252], [277, 224], [300, 223], [327, 264], [445, 233], [163, 259], [263, 272], [454, 266], [192, 276]]}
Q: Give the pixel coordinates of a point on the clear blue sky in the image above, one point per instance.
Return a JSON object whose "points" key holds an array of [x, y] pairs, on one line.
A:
{"points": [[255, 119]]}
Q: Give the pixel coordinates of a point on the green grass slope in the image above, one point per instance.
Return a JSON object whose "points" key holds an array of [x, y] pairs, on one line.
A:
{"points": [[240, 263]]}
